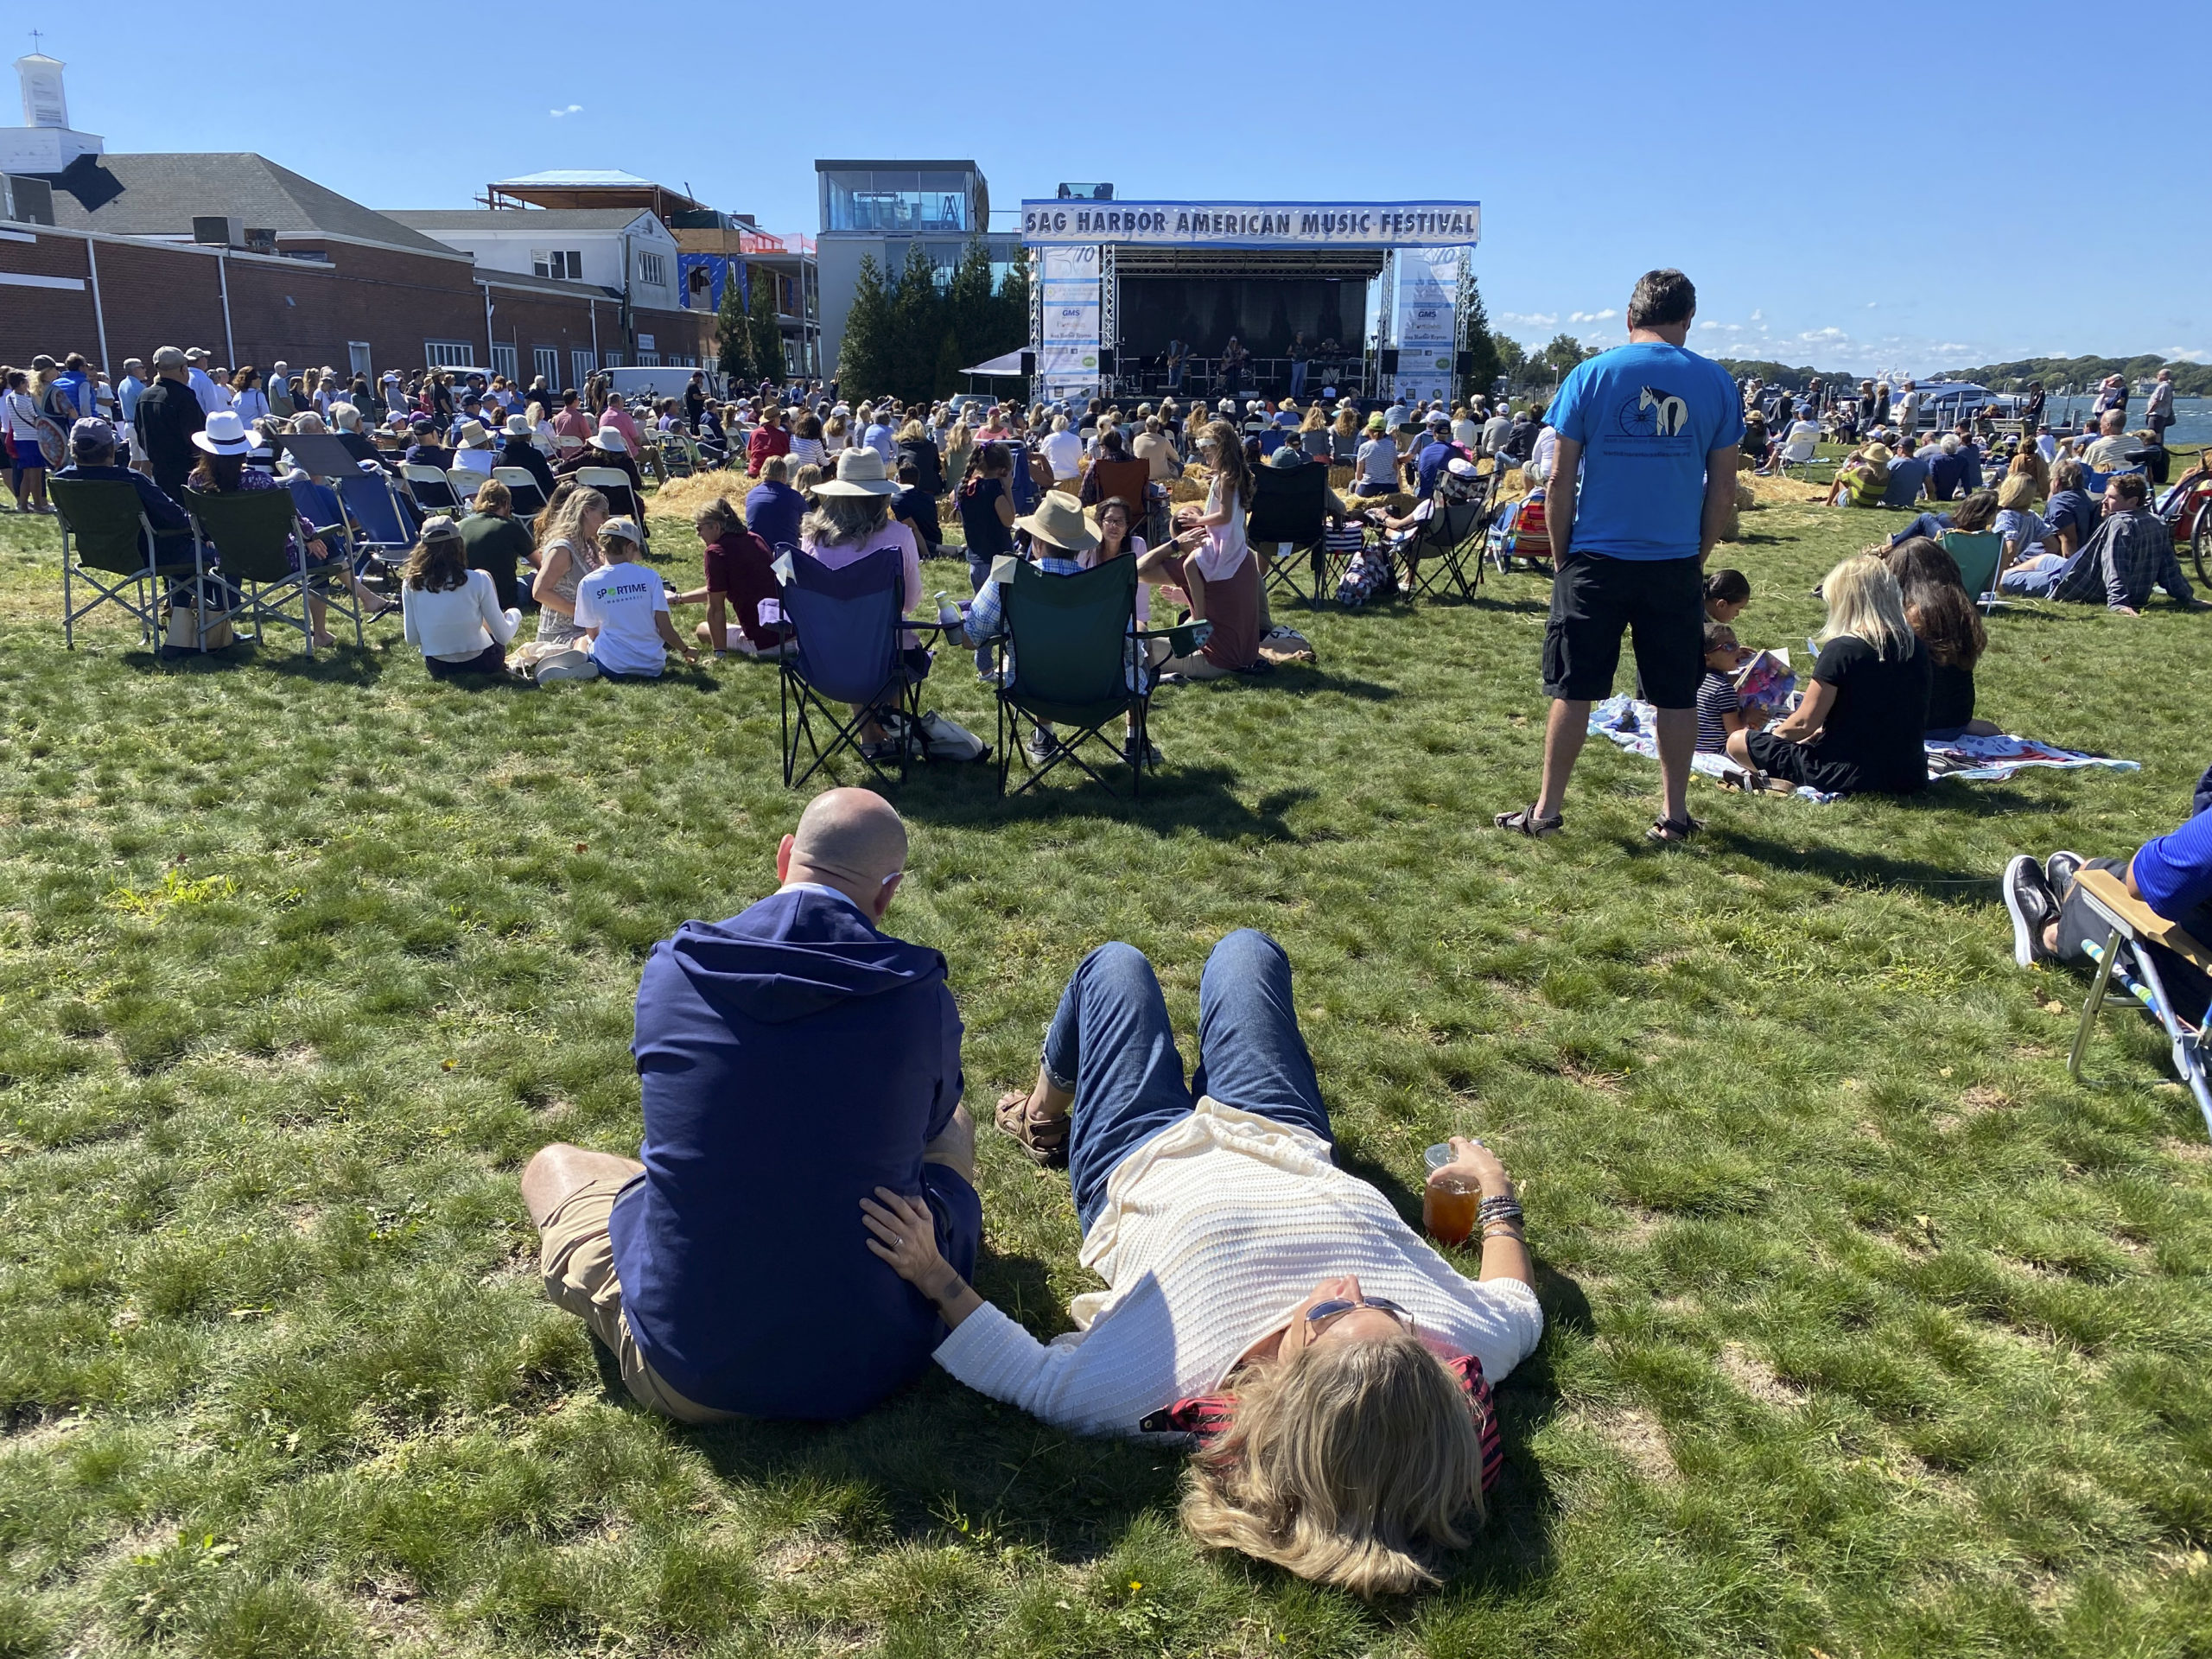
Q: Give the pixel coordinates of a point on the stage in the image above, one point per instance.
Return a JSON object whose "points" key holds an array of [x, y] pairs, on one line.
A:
{"points": [[1115, 288]]}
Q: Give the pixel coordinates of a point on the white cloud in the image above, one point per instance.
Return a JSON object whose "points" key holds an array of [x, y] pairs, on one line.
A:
{"points": [[1759, 316], [573, 109], [1814, 334], [1873, 304], [1593, 316], [2186, 354], [1532, 319]]}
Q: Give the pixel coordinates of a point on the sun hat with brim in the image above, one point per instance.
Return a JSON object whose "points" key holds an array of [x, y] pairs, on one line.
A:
{"points": [[1059, 520], [471, 434], [626, 529], [226, 435], [610, 439], [859, 472], [517, 426], [1461, 466]]}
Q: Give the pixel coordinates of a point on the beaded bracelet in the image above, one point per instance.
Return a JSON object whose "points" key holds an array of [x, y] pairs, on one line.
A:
{"points": [[1508, 1228], [1500, 1208]]}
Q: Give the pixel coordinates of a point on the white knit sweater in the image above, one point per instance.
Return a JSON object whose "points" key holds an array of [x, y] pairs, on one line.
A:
{"points": [[1212, 1232]]}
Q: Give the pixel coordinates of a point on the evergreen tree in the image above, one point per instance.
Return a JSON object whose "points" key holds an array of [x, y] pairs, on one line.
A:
{"points": [[1010, 315], [1564, 352], [1488, 363], [766, 335], [864, 359], [1512, 358], [917, 319], [734, 332], [970, 310]]}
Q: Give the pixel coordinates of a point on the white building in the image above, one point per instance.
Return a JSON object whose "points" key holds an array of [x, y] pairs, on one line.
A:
{"points": [[626, 251], [45, 143]]}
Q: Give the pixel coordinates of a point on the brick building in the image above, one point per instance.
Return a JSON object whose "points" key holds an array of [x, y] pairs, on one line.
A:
{"points": [[257, 263]]}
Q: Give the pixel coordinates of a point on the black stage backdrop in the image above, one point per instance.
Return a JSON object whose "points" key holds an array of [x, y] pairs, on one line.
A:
{"points": [[1262, 312]]}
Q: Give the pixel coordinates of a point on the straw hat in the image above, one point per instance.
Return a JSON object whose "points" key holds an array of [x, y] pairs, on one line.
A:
{"points": [[1059, 519], [226, 435], [471, 436], [859, 472], [1880, 452]]}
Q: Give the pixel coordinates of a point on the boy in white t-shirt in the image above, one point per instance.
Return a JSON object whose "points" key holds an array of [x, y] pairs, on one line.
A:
{"points": [[623, 607]]}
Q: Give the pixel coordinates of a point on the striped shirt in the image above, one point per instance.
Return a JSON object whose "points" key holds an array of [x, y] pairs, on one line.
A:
{"points": [[1716, 695]]}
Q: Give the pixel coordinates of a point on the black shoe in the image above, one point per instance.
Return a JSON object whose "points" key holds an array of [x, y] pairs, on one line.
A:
{"points": [[2029, 898], [2058, 871]]}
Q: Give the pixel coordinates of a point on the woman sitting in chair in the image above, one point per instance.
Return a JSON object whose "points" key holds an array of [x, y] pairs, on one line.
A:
{"points": [[1211, 563], [607, 447], [453, 611], [850, 520], [224, 446]]}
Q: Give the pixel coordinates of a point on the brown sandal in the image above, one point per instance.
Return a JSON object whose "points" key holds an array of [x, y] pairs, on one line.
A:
{"points": [[1044, 1144]]}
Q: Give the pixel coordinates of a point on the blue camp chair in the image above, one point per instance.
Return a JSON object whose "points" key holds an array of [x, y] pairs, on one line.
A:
{"points": [[847, 657], [1024, 489], [2129, 957]]}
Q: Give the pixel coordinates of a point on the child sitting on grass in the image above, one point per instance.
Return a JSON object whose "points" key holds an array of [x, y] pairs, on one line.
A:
{"points": [[1719, 711], [741, 574], [623, 607]]}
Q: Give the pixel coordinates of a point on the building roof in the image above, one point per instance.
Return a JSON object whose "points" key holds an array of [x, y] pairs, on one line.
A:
{"points": [[518, 219], [898, 166], [576, 176], [160, 195]]}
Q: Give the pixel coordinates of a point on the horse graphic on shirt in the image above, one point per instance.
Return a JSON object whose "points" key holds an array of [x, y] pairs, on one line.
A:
{"points": [[1668, 413]]}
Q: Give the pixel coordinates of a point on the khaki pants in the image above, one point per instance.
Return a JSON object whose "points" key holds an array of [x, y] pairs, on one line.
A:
{"points": [[576, 1257]]}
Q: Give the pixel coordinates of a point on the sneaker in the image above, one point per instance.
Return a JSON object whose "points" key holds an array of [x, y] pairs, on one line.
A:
{"points": [[1041, 746], [1152, 756], [2058, 871], [2028, 897]]}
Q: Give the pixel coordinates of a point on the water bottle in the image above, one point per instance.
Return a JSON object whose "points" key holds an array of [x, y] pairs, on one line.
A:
{"points": [[947, 612]]}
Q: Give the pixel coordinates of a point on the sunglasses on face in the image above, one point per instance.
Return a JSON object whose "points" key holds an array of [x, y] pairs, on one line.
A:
{"points": [[1330, 1309]]}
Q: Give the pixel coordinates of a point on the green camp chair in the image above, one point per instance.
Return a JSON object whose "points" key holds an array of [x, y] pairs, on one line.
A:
{"points": [[104, 533], [1068, 637], [250, 534], [1976, 552]]}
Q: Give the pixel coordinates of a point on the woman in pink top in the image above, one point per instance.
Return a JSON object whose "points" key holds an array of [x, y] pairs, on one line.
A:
{"points": [[850, 520]]}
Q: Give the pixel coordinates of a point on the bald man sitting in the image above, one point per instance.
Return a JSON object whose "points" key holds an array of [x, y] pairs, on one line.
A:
{"points": [[794, 1058]]}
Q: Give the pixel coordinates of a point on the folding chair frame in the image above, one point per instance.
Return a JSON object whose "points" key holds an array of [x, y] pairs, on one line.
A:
{"points": [[1068, 751], [146, 607], [309, 581], [1444, 540], [2133, 925], [898, 697]]}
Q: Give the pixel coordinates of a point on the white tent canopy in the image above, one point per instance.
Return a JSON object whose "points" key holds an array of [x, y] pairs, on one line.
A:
{"points": [[1010, 364]]}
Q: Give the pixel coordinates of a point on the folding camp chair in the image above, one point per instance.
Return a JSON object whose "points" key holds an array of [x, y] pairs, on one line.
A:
{"points": [[1070, 638], [1436, 559], [2126, 956], [107, 542], [1290, 509], [677, 455], [1023, 488], [380, 520], [1800, 453], [846, 624], [252, 533], [475, 464], [1519, 531], [466, 484], [521, 487], [432, 489], [1976, 552], [615, 484]]}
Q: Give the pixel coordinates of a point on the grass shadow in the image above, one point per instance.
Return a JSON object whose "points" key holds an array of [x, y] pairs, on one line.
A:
{"points": [[1850, 868], [1201, 798]]}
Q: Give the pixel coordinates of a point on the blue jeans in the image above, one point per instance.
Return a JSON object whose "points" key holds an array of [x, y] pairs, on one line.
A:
{"points": [[2039, 583], [979, 572], [1110, 1045], [1931, 524], [1297, 377]]}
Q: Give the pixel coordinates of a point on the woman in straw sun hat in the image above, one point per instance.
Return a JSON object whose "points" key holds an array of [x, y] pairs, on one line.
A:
{"points": [[851, 519]]}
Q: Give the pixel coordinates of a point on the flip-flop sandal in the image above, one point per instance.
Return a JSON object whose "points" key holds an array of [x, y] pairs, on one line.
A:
{"points": [[1526, 822], [1751, 782], [1044, 1144], [1673, 832]]}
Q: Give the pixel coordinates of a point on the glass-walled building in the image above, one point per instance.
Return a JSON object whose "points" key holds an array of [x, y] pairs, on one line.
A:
{"points": [[880, 209]]}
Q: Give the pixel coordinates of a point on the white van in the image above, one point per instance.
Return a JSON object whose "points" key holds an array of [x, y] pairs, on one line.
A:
{"points": [[631, 384]]}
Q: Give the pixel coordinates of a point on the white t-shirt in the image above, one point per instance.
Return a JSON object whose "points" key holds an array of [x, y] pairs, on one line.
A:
{"points": [[621, 600], [1063, 453]]}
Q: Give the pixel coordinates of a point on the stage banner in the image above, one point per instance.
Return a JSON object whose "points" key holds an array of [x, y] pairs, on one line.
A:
{"points": [[1427, 319], [1255, 223], [1067, 356]]}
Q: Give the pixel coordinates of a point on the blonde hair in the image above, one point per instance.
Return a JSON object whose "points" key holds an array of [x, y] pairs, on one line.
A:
{"points": [[2017, 491], [1344, 1465], [1865, 603]]}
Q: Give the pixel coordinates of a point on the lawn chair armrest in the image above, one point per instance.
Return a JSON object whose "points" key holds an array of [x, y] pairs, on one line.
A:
{"points": [[2111, 899]]}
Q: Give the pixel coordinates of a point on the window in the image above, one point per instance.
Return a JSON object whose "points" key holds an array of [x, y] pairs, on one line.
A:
{"points": [[653, 270], [611, 359], [557, 261], [901, 202], [649, 360], [545, 362], [448, 353], [580, 367], [503, 361], [357, 356]]}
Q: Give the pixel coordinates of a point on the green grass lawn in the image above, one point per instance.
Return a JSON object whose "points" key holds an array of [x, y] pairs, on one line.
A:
{"points": [[1870, 1332]]}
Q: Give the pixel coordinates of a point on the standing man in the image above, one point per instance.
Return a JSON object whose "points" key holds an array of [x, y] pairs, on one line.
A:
{"points": [[1645, 480], [2158, 414], [279, 391], [203, 385], [1299, 352], [168, 414], [130, 390], [1179, 353], [1909, 413]]}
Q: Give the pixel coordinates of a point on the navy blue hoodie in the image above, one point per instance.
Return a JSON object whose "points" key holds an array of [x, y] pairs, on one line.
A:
{"points": [[793, 1060]]}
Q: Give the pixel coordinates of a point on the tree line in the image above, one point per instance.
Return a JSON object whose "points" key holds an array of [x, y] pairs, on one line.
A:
{"points": [[910, 335]]}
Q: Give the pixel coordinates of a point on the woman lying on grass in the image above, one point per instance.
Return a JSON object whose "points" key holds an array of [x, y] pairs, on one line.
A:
{"points": [[1341, 1367]]}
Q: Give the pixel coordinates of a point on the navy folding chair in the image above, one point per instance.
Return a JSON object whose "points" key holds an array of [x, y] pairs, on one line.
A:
{"points": [[846, 667]]}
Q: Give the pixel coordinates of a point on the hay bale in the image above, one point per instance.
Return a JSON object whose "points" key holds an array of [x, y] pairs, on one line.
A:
{"points": [[682, 497]]}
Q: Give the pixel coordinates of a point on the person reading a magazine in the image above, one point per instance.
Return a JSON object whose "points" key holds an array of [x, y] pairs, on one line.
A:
{"points": [[1720, 709], [2172, 873], [1857, 729]]}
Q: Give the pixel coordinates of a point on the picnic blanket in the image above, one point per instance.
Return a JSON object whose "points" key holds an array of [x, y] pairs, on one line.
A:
{"points": [[1632, 725]]}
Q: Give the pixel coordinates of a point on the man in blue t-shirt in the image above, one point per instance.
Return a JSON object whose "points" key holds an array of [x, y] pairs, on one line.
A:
{"points": [[2172, 873], [1644, 480]]}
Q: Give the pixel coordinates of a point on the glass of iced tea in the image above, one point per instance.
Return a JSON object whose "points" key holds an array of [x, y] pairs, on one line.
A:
{"points": [[1448, 1206]]}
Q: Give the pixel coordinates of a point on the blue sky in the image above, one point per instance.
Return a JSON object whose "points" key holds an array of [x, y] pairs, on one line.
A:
{"points": [[1826, 213]]}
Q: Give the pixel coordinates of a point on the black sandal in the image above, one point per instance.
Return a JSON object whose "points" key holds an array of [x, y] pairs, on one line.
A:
{"points": [[1673, 832], [1526, 822]]}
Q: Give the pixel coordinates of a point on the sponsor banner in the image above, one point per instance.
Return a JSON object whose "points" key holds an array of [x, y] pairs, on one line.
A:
{"points": [[1255, 223], [1427, 317], [1067, 296]]}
